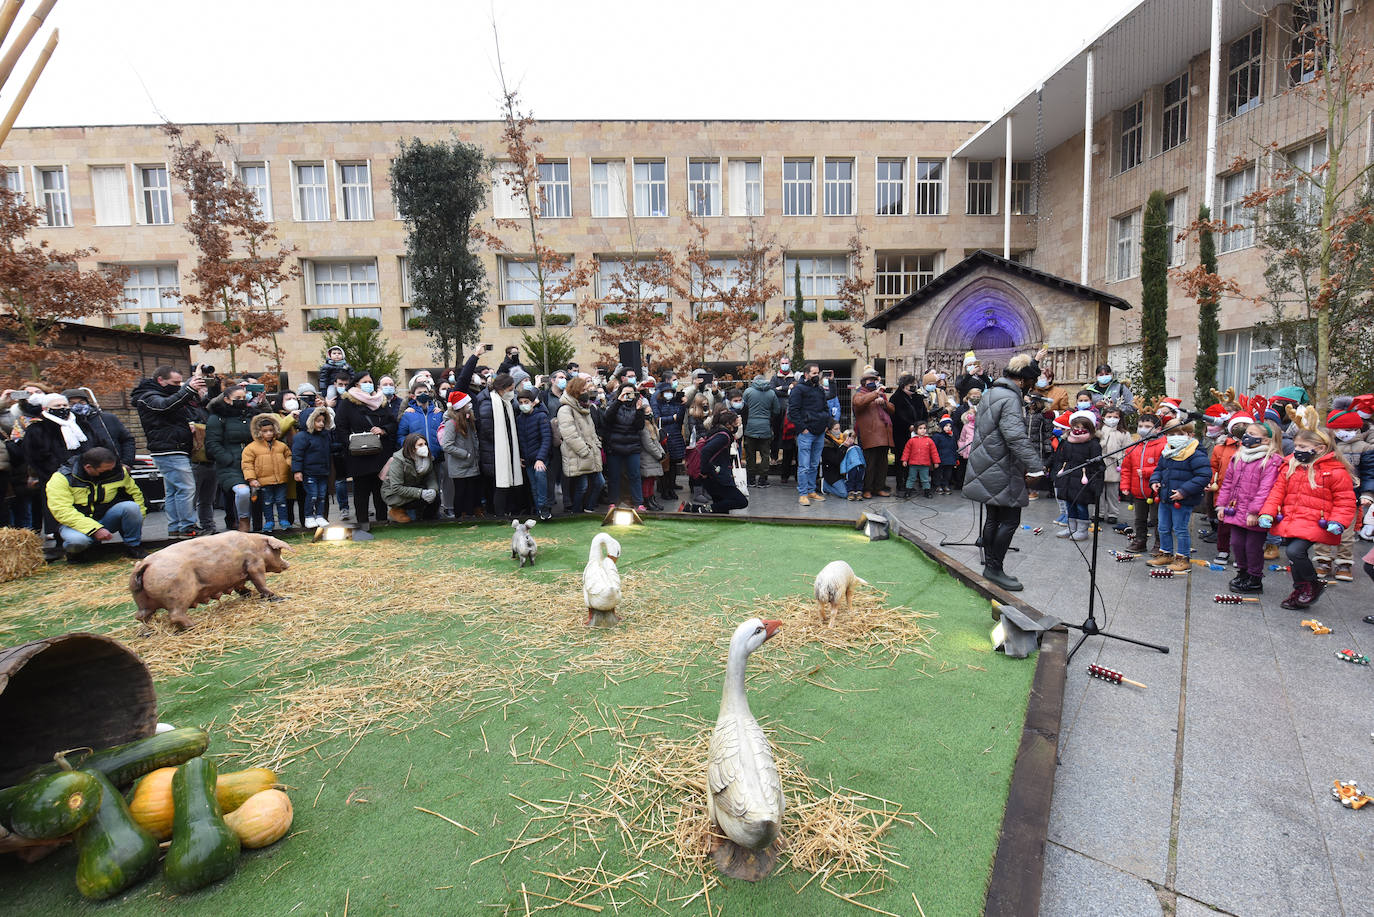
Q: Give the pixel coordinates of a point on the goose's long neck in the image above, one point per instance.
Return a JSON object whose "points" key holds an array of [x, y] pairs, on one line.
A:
{"points": [[733, 698]]}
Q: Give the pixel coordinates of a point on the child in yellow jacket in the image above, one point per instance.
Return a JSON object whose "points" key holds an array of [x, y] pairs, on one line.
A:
{"points": [[266, 468]]}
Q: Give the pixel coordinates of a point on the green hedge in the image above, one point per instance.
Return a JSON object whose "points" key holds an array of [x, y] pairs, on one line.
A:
{"points": [[520, 321], [806, 316], [614, 319], [162, 328], [835, 315], [126, 326], [324, 324], [418, 322], [557, 319]]}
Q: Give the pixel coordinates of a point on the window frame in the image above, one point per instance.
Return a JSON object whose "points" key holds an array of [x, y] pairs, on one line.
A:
{"points": [[1178, 248], [1116, 273], [1131, 136], [793, 188], [711, 187], [41, 195], [907, 281], [1303, 41], [1225, 240], [1023, 189], [607, 212], [123, 171], [342, 187], [921, 185], [311, 278], [1299, 183], [1177, 111], [163, 293], [812, 277], [561, 189], [18, 172], [882, 186], [265, 199], [141, 191], [507, 305], [841, 186], [990, 182], [747, 186], [297, 210], [1253, 63], [650, 184]]}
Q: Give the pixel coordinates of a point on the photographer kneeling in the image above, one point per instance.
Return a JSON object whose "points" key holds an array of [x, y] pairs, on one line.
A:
{"points": [[1001, 459]]}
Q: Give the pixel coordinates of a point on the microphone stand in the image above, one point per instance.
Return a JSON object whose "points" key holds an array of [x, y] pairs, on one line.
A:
{"points": [[1089, 627]]}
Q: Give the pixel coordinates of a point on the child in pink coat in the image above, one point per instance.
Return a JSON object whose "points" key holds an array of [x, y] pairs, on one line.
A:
{"points": [[1249, 478]]}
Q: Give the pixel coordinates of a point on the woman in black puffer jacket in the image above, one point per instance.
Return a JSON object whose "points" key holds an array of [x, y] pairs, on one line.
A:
{"points": [[624, 423]]}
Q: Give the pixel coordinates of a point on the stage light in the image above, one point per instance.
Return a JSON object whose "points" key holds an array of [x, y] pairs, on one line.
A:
{"points": [[1018, 634], [875, 526], [622, 515], [337, 532]]}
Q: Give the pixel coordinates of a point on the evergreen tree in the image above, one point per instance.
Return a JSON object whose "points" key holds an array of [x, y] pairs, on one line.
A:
{"points": [[364, 347], [1154, 297], [798, 330], [1208, 324]]}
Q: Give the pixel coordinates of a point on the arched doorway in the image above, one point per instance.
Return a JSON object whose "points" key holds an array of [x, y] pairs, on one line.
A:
{"points": [[988, 316]]}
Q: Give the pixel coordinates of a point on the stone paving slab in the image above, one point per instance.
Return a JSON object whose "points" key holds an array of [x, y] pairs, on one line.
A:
{"points": [[1087, 888]]}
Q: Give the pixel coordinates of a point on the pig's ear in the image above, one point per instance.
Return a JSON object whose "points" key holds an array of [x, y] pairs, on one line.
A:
{"points": [[276, 544]]}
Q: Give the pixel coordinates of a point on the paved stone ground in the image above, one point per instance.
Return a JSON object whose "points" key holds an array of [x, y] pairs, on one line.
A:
{"points": [[1209, 791]]}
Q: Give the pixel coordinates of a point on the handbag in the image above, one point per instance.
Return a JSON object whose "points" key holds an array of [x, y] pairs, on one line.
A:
{"points": [[741, 474], [364, 444]]}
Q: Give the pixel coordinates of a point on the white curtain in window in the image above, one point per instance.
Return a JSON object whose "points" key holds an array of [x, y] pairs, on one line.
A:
{"points": [[110, 189], [506, 202], [738, 180]]}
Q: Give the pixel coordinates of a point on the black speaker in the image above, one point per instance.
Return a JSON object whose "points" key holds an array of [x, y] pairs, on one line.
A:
{"points": [[631, 357]]}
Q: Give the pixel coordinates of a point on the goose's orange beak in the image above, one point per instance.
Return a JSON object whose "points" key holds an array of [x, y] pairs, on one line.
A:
{"points": [[614, 558], [769, 629]]}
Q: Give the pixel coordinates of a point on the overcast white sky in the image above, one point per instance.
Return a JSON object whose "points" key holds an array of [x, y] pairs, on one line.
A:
{"points": [[136, 61]]}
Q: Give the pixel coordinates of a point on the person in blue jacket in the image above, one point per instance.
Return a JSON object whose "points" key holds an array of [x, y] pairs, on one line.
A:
{"points": [[1178, 483], [947, 447], [312, 458], [535, 433], [670, 410]]}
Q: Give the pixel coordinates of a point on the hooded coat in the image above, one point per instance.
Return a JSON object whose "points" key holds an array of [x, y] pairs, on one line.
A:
{"points": [[421, 418], [1305, 505], [581, 446], [226, 434], [1002, 453], [311, 453], [264, 462], [761, 408], [669, 414], [1247, 486], [535, 434]]}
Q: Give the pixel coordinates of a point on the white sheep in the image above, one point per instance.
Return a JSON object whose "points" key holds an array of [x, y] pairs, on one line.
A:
{"points": [[835, 582], [522, 544]]}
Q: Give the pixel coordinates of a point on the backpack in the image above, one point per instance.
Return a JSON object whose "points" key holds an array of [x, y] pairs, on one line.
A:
{"points": [[691, 460]]}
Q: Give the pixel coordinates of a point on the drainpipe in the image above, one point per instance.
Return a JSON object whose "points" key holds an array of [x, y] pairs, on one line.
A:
{"points": [[1213, 98], [1006, 200], [1087, 171]]}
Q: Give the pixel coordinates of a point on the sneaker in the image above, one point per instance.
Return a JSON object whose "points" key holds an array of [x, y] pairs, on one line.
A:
{"points": [[804, 500], [1344, 575], [817, 497], [1181, 564], [1207, 535], [1062, 519], [1121, 528], [1161, 559], [1222, 557], [267, 528], [545, 516], [1111, 520], [1323, 568], [1252, 584], [1271, 552], [346, 514]]}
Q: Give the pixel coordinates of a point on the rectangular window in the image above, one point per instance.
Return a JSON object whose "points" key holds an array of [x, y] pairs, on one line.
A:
{"points": [[613, 284], [312, 192], [1311, 19], [981, 187], [255, 178], [372, 313], [1307, 179], [1022, 188], [520, 292], [168, 318], [1174, 127], [110, 194], [1247, 362], [724, 274], [608, 188], [555, 189], [154, 195], [898, 275], [152, 287], [1124, 256], [355, 191], [891, 188], [336, 283], [1234, 188], [798, 187], [407, 292], [703, 187], [821, 277], [930, 187], [53, 199], [1244, 61], [314, 315], [839, 187], [14, 180], [746, 188], [651, 188], [1176, 220], [1132, 135]]}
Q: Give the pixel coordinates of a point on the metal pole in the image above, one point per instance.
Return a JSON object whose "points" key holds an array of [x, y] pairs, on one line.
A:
{"points": [[1006, 200], [1087, 172], [1213, 99]]}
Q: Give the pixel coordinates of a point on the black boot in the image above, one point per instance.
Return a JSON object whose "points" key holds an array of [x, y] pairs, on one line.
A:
{"points": [[1001, 578], [1252, 584]]}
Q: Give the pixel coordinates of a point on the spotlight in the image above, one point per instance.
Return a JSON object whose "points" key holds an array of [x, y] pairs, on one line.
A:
{"points": [[339, 532], [875, 526], [622, 515], [1018, 634]]}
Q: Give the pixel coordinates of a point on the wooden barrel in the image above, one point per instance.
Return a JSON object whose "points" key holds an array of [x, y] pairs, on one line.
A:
{"points": [[68, 692]]}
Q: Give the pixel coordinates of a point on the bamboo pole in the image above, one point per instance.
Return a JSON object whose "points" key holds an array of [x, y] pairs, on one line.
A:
{"points": [[27, 88], [22, 41], [7, 15]]}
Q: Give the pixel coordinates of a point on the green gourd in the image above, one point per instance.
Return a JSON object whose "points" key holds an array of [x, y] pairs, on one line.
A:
{"points": [[54, 806], [124, 764], [112, 851], [204, 849]]}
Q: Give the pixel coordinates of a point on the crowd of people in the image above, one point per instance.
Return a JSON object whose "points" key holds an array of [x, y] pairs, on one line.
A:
{"points": [[478, 441]]}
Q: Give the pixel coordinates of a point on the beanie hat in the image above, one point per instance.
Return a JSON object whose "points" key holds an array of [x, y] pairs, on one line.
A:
{"points": [[1062, 421], [1344, 420], [930, 378], [305, 388], [946, 422], [1363, 405], [869, 373], [459, 400], [970, 358], [1272, 415], [1294, 393], [518, 375], [1089, 416]]}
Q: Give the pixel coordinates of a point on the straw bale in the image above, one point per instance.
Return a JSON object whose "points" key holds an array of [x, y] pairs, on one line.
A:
{"points": [[21, 553]]}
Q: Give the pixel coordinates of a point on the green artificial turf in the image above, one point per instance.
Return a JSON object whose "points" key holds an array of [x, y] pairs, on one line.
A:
{"points": [[937, 733]]}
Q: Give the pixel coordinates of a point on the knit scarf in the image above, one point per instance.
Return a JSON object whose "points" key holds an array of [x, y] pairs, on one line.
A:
{"points": [[1181, 453], [71, 432], [1245, 454], [373, 401], [508, 472]]}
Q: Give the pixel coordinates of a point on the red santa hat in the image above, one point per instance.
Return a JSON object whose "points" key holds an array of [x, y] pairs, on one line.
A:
{"points": [[1173, 405], [1363, 405], [1062, 421], [1217, 414], [1344, 420], [459, 400], [1242, 417]]}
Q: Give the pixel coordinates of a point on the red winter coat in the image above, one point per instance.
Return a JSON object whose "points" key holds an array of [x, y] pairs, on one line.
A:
{"points": [[1304, 506], [1138, 465], [1222, 453], [920, 450]]}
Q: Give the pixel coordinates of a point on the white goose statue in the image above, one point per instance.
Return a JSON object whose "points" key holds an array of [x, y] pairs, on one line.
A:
{"points": [[601, 581], [743, 791]]}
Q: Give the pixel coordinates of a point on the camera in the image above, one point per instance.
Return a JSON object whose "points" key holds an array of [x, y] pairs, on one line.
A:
{"points": [[205, 370]]}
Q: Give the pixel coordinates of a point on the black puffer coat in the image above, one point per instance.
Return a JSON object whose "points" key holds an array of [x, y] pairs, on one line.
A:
{"points": [[226, 433], [1002, 453], [352, 416], [45, 449], [1070, 486], [623, 423], [166, 414]]}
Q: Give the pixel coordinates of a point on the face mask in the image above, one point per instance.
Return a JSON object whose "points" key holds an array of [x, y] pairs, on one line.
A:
{"points": [[424, 397], [1079, 436], [388, 390], [668, 395], [785, 367], [930, 387], [114, 474], [1084, 405], [308, 399], [1111, 421], [736, 405], [1042, 382], [421, 450], [526, 407], [452, 378], [870, 384], [1145, 431], [81, 410], [1177, 440], [630, 379], [366, 387], [240, 407], [1304, 455], [290, 405], [1250, 442], [1344, 436], [584, 399], [61, 413], [1104, 380], [974, 399], [825, 383], [560, 384]]}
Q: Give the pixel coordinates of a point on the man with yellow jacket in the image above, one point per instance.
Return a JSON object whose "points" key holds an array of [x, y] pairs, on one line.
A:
{"points": [[95, 499]]}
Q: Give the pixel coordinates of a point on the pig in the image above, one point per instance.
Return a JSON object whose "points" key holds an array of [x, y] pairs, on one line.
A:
{"points": [[522, 544], [190, 573], [835, 582]]}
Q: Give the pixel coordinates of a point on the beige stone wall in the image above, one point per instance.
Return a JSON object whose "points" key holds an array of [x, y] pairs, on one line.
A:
{"points": [[581, 236]]}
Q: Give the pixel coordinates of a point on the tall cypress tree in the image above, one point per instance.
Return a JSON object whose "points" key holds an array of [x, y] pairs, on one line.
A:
{"points": [[798, 334], [1154, 297], [1208, 324]]}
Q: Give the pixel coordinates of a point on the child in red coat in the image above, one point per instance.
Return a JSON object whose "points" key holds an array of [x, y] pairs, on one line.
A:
{"points": [[1137, 465], [1313, 501], [920, 455]]}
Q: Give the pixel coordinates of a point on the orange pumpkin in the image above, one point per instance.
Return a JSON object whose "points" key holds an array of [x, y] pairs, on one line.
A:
{"points": [[264, 819], [151, 806]]}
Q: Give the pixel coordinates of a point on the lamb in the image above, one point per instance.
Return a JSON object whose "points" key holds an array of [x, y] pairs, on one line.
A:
{"points": [[522, 544], [835, 582]]}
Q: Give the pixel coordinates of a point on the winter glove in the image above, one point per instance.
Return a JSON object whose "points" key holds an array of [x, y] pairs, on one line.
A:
{"points": [[1335, 528], [1266, 522], [429, 495]]}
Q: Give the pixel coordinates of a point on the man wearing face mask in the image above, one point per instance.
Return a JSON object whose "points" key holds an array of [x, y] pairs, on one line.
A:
{"points": [[106, 429], [1000, 460], [1107, 386], [908, 410], [511, 361], [1355, 444], [760, 411], [95, 500], [782, 380], [809, 413], [973, 376], [166, 409]]}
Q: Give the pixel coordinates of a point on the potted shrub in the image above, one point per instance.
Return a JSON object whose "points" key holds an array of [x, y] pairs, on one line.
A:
{"points": [[126, 326], [807, 316], [557, 319], [613, 319], [417, 322], [835, 315], [162, 328], [520, 321], [323, 324]]}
